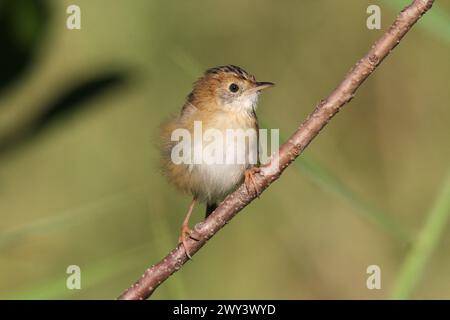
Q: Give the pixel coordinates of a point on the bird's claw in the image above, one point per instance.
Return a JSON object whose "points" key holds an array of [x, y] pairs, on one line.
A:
{"points": [[249, 180], [186, 233]]}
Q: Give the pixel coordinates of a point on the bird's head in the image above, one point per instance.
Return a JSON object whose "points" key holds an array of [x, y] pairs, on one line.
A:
{"points": [[227, 87]]}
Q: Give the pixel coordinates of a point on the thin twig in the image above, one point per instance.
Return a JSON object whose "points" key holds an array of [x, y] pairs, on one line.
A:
{"points": [[288, 152]]}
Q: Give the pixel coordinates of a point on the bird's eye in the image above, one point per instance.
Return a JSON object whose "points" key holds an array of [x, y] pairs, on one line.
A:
{"points": [[233, 87]]}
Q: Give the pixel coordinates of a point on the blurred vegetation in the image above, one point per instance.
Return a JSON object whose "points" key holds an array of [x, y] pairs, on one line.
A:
{"points": [[22, 24], [79, 176]]}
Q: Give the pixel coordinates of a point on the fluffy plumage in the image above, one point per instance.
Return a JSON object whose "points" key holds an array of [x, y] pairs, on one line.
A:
{"points": [[214, 103]]}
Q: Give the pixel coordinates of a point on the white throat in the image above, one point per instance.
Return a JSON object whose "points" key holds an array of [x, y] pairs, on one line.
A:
{"points": [[245, 103]]}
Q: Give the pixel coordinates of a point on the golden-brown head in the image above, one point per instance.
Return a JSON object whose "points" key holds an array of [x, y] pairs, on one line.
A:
{"points": [[227, 87]]}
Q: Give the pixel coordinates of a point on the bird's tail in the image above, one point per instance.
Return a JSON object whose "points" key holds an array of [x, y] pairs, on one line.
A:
{"points": [[210, 207]]}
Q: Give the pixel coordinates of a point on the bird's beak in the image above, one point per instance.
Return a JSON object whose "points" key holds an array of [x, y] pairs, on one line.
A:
{"points": [[260, 86], [263, 85]]}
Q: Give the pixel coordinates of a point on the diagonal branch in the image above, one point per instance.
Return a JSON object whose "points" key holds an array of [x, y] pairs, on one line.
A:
{"points": [[288, 152]]}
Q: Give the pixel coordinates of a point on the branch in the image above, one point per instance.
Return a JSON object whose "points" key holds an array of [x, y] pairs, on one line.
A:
{"points": [[289, 151]]}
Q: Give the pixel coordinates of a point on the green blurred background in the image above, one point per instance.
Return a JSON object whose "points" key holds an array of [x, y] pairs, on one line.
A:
{"points": [[79, 169]]}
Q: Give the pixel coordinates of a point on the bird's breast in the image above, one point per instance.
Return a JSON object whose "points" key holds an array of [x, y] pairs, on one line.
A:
{"points": [[228, 147]]}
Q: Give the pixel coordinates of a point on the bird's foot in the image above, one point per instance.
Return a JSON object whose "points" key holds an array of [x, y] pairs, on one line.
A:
{"points": [[250, 182], [186, 233]]}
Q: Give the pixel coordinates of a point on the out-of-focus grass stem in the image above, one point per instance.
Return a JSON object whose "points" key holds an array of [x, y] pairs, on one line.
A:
{"points": [[426, 242]]}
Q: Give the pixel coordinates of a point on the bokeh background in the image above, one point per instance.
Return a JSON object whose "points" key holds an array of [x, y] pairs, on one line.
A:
{"points": [[80, 181]]}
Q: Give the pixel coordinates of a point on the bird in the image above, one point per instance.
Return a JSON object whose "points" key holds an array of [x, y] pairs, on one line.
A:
{"points": [[224, 98]]}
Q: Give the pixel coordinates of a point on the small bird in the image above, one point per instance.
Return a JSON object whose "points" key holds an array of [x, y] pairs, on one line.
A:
{"points": [[223, 98]]}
